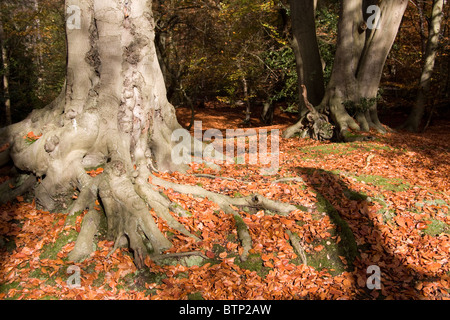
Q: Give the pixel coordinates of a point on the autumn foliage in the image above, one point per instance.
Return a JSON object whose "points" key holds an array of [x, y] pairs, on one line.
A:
{"points": [[392, 192], [383, 202]]}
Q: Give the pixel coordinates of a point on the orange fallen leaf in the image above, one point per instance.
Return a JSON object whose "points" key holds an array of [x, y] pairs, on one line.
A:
{"points": [[400, 221], [421, 225], [435, 266], [347, 283], [266, 257], [319, 248], [31, 136], [94, 173]]}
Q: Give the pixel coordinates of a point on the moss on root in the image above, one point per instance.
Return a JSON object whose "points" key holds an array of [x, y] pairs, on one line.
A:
{"points": [[328, 258], [349, 248]]}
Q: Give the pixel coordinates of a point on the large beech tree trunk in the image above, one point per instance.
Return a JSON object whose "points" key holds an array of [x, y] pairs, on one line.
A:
{"points": [[362, 49], [113, 113]]}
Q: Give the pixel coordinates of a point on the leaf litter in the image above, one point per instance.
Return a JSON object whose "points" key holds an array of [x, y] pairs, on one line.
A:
{"points": [[393, 193]]}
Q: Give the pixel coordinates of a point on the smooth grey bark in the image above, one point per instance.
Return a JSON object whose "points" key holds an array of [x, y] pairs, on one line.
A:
{"points": [[359, 61], [360, 56], [306, 50], [415, 117], [377, 45]]}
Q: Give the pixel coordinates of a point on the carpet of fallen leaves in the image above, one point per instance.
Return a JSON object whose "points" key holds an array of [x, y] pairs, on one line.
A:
{"points": [[403, 227]]}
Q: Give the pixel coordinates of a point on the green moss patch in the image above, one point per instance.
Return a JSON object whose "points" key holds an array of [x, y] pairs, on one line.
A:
{"points": [[195, 296], [389, 184], [436, 227], [326, 149], [254, 262], [51, 250], [328, 258]]}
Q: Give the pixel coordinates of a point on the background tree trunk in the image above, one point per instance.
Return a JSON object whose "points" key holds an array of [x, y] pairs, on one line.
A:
{"points": [[307, 56], [416, 115], [37, 44], [360, 56], [343, 85], [378, 43], [5, 68]]}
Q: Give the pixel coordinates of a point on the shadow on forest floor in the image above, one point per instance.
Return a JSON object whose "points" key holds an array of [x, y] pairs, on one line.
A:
{"points": [[369, 233]]}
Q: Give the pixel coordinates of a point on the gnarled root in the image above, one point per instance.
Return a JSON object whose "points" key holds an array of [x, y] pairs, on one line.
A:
{"points": [[85, 241], [127, 214], [312, 124], [227, 203], [126, 205]]}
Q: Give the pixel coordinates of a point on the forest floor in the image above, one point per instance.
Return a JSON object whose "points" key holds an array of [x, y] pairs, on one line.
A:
{"points": [[392, 192]]}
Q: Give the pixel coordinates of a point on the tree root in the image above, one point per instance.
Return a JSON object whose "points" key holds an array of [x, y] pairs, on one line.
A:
{"points": [[298, 179], [223, 201], [86, 197], [126, 206], [227, 203], [126, 199], [126, 203], [296, 244], [312, 124], [179, 255], [260, 202], [84, 245], [161, 206], [211, 176], [187, 259]]}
